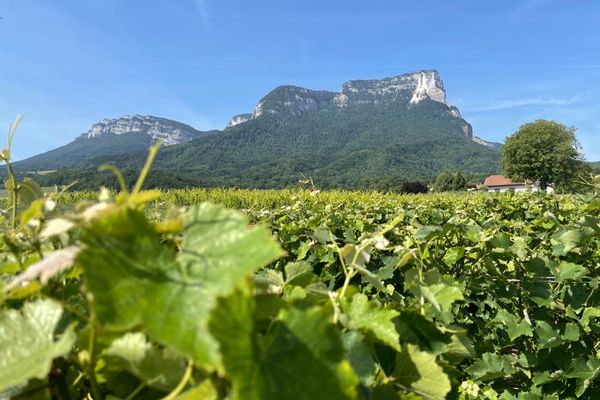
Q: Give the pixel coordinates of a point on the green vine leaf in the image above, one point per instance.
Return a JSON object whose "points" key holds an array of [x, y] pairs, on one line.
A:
{"points": [[300, 358], [138, 280], [28, 342], [372, 319], [159, 368], [571, 272], [585, 372], [418, 372], [515, 327], [491, 366]]}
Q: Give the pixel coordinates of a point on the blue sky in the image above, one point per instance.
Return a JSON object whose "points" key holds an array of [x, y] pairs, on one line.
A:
{"points": [[66, 63]]}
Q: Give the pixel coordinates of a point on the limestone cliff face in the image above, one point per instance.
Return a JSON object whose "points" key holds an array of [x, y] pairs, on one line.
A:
{"points": [[293, 100], [409, 89], [492, 145], [468, 130], [412, 88], [239, 119], [169, 132]]}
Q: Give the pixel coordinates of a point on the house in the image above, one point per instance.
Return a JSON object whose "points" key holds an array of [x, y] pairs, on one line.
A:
{"points": [[499, 183]]}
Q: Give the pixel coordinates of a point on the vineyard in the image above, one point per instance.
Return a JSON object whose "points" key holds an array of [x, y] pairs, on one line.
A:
{"points": [[298, 294]]}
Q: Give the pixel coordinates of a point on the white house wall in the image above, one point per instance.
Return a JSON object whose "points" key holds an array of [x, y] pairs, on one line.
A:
{"points": [[515, 188]]}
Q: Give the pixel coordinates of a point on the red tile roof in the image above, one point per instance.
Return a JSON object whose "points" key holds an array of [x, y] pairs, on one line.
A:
{"points": [[499, 180]]}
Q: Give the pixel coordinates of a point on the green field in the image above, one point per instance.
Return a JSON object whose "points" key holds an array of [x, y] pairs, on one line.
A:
{"points": [[302, 295]]}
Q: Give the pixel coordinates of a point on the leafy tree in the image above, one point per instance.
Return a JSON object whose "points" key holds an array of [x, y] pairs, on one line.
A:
{"points": [[544, 151], [413, 187], [449, 181]]}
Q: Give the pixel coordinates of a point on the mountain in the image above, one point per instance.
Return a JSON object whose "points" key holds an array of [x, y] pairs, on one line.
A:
{"points": [[408, 88], [112, 137], [371, 133]]}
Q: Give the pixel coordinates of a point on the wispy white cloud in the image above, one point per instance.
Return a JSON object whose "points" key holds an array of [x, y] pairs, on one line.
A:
{"points": [[529, 101]]}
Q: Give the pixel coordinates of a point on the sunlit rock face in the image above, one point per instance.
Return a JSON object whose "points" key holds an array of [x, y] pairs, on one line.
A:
{"points": [[468, 130], [492, 145], [169, 132], [293, 100], [412, 88], [239, 119], [454, 112], [408, 89]]}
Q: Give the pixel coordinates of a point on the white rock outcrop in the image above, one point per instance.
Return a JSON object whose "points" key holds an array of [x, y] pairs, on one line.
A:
{"points": [[169, 132], [428, 86], [411, 88], [485, 143], [239, 119]]}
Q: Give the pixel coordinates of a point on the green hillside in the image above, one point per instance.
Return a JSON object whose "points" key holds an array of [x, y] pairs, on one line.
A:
{"points": [[108, 139], [83, 152], [337, 147]]}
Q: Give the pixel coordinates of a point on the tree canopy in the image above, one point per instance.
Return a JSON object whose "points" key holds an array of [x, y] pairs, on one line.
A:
{"points": [[544, 151], [449, 181], [413, 187]]}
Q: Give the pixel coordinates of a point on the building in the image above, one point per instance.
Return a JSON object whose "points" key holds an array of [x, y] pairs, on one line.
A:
{"points": [[499, 183]]}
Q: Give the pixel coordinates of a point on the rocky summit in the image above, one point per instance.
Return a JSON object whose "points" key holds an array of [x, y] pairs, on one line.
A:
{"points": [[168, 131], [112, 138], [411, 89]]}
